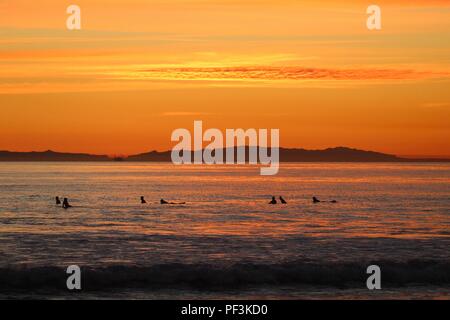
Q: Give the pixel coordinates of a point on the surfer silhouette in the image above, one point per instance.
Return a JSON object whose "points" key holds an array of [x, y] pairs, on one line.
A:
{"points": [[66, 204], [315, 200], [162, 201]]}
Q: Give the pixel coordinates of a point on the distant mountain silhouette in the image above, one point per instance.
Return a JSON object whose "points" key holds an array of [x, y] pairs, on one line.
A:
{"points": [[152, 156], [339, 154], [50, 156]]}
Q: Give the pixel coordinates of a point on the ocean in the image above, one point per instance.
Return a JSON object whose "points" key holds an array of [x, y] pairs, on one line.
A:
{"points": [[226, 242]]}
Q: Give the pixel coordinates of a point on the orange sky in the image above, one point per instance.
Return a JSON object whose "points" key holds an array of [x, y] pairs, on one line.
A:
{"points": [[139, 69]]}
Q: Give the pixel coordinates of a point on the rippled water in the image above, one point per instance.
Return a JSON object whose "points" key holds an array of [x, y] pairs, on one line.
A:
{"points": [[226, 236]]}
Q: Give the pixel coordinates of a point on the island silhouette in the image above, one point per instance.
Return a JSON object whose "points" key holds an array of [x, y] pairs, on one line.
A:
{"points": [[338, 154]]}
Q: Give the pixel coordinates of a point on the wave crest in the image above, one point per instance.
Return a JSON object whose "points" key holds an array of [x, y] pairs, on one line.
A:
{"points": [[208, 276]]}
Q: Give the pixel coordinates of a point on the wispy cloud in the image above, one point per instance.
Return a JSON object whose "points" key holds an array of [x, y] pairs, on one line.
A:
{"points": [[285, 73], [436, 105], [184, 114]]}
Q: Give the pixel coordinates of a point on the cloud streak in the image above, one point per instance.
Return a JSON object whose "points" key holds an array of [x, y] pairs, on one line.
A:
{"points": [[184, 114], [285, 73], [436, 105]]}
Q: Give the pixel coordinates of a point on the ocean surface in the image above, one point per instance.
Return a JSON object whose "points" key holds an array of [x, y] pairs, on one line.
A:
{"points": [[226, 241]]}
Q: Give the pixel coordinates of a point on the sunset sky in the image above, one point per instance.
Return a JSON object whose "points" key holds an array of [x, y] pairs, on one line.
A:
{"points": [[140, 69]]}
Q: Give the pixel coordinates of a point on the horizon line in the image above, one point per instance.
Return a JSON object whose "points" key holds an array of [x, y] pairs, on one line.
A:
{"points": [[118, 155]]}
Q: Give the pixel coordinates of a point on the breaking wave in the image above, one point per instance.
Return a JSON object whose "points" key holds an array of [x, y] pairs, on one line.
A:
{"points": [[213, 277]]}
